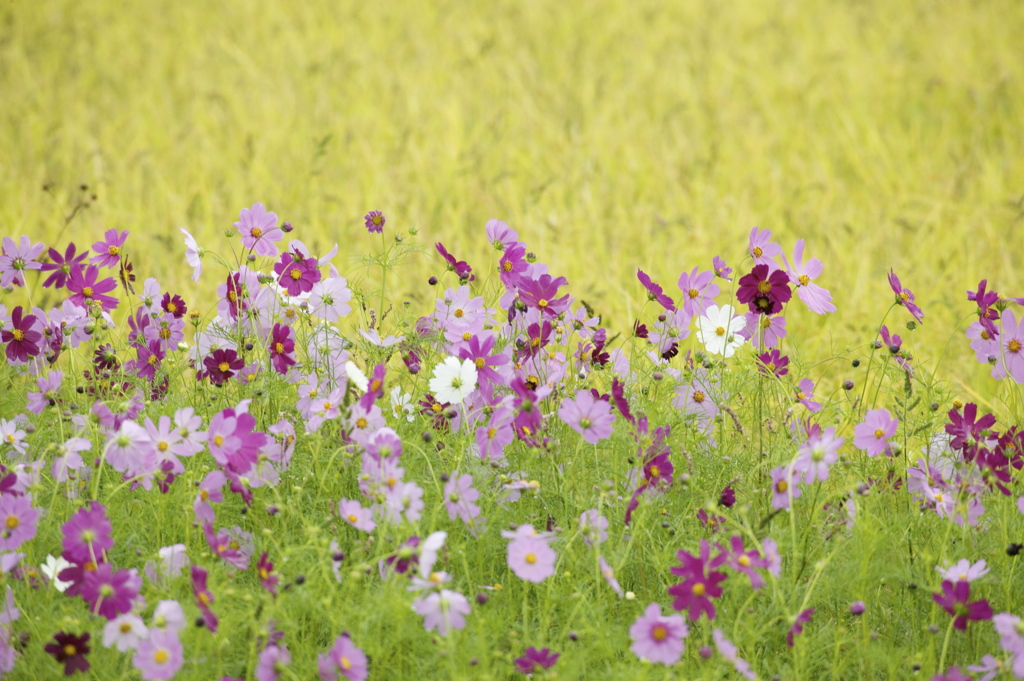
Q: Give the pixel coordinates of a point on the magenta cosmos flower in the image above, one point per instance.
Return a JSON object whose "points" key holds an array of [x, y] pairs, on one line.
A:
{"points": [[87, 534], [589, 416], [22, 341], [797, 627], [108, 251], [954, 600], [658, 638], [541, 294], [259, 230], [86, 287], [60, 265], [873, 434], [534, 660], [282, 348], [345, 658], [654, 291], [700, 582], [374, 221], [529, 555], [297, 274], [203, 597], [784, 488], [110, 593]]}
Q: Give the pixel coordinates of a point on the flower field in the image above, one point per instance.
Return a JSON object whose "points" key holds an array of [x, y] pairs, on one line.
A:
{"points": [[517, 417]]}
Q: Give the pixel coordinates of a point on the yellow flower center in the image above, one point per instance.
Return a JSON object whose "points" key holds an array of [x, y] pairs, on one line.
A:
{"points": [[12, 522], [466, 336], [530, 558], [804, 280], [162, 446], [345, 664], [70, 650], [161, 656], [328, 406], [507, 266], [904, 296], [374, 385], [295, 274], [757, 252], [232, 296], [264, 573], [655, 472], [720, 331], [1013, 346], [279, 348], [165, 333], [764, 287], [770, 366], [879, 433], [492, 432], [256, 232], [224, 366], [125, 627], [480, 362], [18, 334], [436, 408], [153, 359], [659, 633], [698, 589], [693, 293], [172, 308], [542, 303], [781, 486], [203, 598], [218, 440], [360, 422], [698, 397], [87, 291], [458, 313], [744, 560], [204, 494], [353, 518]]}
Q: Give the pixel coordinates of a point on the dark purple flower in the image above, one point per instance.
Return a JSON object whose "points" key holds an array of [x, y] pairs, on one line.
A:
{"points": [[375, 221], [105, 357], [86, 286], [221, 365], [174, 305], [764, 291], [654, 291], [533, 660], [798, 625], [728, 497], [70, 651], [953, 600], [968, 430], [905, 297], [282, 348], [60, 265], [22, 341], [406, 557]]}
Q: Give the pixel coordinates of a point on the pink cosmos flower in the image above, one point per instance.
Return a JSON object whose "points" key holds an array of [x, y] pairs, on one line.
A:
{"points": [[500, 235], [964, 571], [87, 535], [374, 221], [108, 251], [110, 593], [16, 258], [658, 638], [744, 560], [762, 249], [18, 521], [814, 456], [459, 496], [764, 331], [159, 656], [296, 274], [443, 611], [498, 433], [609, 575], [344, 657], [529, 555], [124, 632], [802, 274], [534, 660], [259, 230], [905, 297], [700, 582], [729, 651], [805, 395], [329, 299], [797, 627], [355, 515], [874, 433], [784, 487], [203, 597], [1012, 341], [594, 527], [699, 291], [86, 286], [49, 386], [590, 417]]}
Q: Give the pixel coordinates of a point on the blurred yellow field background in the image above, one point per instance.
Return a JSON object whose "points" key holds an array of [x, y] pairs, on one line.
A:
{"points": [[611, 134]]}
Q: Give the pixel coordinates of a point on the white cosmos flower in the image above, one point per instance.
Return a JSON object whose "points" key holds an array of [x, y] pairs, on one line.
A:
{"points": [[356, 375], [401, 404], [51, 568], [453, 381], [719, 330]]}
